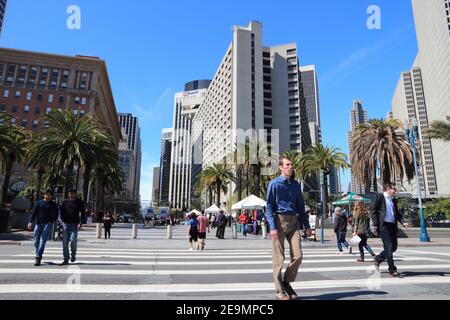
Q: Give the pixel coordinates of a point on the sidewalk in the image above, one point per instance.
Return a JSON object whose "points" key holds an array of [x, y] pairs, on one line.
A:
{"points": [[407, 238]]}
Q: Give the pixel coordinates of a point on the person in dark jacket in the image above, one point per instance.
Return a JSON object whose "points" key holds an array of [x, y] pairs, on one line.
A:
{"points": [[340, 228], [107, 224], [385, 218], [72, 215], [44, 215], [221, 225]]}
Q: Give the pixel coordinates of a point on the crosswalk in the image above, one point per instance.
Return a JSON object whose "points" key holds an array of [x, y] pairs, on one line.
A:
{"points": [[226, 272]]}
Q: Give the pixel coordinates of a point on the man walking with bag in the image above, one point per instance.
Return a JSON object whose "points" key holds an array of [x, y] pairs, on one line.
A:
{"points": [[385, 217], [285, 216]]}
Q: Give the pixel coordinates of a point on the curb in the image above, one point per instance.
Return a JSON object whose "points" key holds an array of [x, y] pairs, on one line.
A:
{"points": [[10, 243]]}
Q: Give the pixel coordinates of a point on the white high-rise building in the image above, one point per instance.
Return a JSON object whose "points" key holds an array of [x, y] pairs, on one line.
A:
{"points": [[186, 104], [164, 167], [423, 93], [357, 116], [255, 87], [130, 124]]}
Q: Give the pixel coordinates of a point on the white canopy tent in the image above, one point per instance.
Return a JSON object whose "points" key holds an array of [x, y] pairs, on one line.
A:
{"points": [[252, 202], [212, 209], [197, 213]]}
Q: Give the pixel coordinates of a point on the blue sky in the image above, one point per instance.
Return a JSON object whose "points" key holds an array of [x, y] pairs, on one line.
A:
{"points": [[153, 47]]}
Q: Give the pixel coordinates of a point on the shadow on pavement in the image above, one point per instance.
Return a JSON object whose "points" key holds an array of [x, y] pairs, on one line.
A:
{"points": [[342, 295], [425, 273]]}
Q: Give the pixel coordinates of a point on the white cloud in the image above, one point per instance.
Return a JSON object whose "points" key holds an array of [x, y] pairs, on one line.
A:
{"points": [[363, 53]]}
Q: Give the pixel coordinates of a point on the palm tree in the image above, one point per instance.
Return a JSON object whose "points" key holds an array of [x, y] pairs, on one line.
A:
{"points": [[205, 181], [321, 158], [12, 150], [221, 174], [70, 139], [440, 130], [378, 147]]}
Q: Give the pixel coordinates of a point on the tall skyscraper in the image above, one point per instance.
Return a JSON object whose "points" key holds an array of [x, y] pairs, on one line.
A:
{"points": [[164, 175], [423, 93], [130, 125], [2, 14], [357, 116], [127, 163], [255, 87], [311, 93], [186, 105], [155, 189]]}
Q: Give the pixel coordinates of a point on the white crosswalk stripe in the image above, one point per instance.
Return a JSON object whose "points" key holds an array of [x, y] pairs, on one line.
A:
{"points": [[176, 270]]}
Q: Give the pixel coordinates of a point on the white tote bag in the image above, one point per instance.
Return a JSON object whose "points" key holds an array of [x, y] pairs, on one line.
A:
{"points": [[356, 240]]}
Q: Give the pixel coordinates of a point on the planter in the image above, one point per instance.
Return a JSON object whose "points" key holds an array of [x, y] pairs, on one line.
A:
{"points": [[20, 220]]}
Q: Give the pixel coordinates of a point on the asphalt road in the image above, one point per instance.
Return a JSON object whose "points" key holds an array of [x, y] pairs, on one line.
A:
{"points": [[152, 267]]}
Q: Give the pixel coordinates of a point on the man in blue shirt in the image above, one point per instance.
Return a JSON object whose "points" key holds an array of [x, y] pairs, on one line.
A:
{"points": [[285, 216]]}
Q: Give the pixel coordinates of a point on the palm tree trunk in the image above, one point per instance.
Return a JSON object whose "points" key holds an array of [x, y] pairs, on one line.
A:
{"points": [[210, 196], [39, 183], [86, 180], [239, 183], [218, 187], [256, 179], [69, 174], [8, 171]]}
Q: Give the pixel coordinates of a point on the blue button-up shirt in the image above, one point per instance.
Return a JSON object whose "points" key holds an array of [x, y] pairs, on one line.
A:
{"points": [[390, 216], [285, 198]]}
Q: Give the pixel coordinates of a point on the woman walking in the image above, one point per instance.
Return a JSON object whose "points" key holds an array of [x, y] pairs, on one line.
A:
{"points": [[193, 230], [340, 228], [362, 227], [107, 223]]}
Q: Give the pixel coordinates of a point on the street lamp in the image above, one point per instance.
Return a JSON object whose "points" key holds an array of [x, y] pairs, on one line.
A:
{"points": [[411, 135]]}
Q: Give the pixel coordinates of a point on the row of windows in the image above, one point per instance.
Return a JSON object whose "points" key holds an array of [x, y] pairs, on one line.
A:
{"points": [[29, 96], [41, 76], [26, 109]]}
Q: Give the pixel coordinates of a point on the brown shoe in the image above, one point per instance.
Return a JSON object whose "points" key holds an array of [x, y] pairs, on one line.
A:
{"points": [[291, 293], [359, 260], [282, 296]]}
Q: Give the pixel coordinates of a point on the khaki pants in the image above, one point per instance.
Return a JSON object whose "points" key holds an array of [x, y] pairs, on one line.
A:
{"points": [[288, 228]]}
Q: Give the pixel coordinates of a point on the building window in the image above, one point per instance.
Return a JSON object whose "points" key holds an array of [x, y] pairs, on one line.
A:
{"points": [[37, 110], [61, 99], [77, 100], [54, 78], [24, 123], [35, 123], [83, 101], [17, 94], [50, 98], [14, 108], [65, 79], [39, 97], [13, 121], [22, 73], [2, 107], [6, 93], [46, 125], [48, 110], [83, 80], [28, 97], [43, 77], [32, 76], [10, 73], [26, 109]]}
